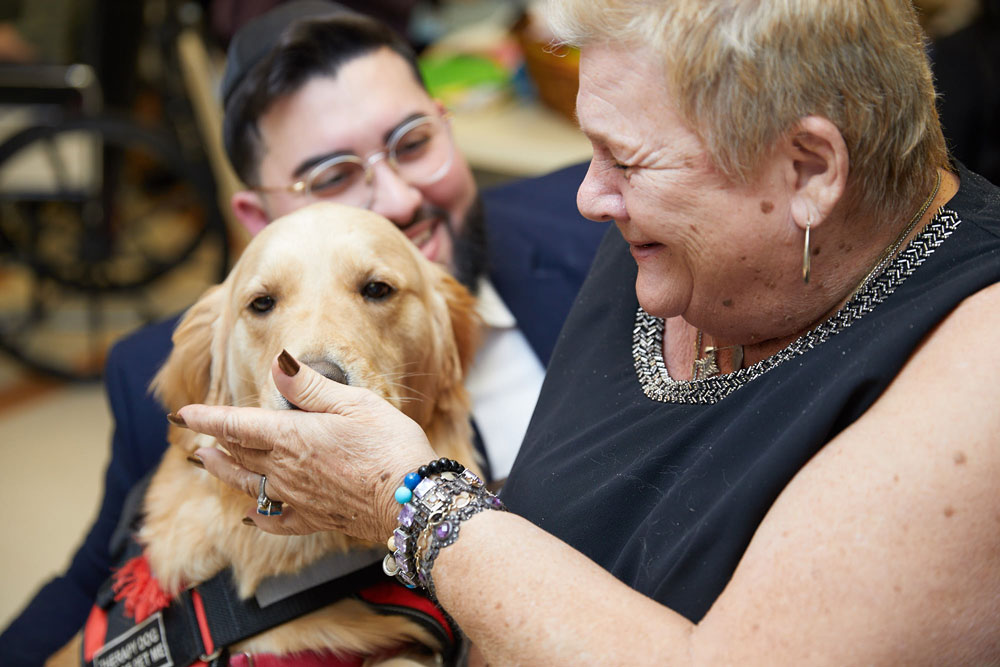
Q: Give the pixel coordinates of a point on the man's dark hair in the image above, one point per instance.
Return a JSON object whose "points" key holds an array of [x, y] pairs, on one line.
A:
{"points": [[310, 47]]}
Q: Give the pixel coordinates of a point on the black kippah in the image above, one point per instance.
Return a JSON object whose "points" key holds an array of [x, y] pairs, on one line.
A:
{"points": [[257, 37]]}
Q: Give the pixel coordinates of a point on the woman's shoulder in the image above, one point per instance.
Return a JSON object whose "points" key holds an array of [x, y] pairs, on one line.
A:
{"points": [[976, 317], [977, 201], [953, 371]]}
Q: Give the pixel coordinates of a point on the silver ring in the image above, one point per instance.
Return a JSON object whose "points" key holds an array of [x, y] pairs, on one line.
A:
{"points": [[265, 505]]}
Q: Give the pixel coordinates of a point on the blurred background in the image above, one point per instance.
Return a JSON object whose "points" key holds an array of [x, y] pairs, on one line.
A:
{"points": [[114, 193], [114, 197]]}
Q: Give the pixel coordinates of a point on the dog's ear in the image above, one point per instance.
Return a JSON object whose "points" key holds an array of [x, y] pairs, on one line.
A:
{"points": [[465, 322], [194, 371], [449, 429]]}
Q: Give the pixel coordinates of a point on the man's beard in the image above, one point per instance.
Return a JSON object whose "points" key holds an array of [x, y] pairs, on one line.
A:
{"points": [[469, 254], [470, 257]]}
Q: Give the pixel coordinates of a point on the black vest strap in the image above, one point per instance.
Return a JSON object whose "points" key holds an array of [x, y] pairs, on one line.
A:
{"points": [[229, 618]]}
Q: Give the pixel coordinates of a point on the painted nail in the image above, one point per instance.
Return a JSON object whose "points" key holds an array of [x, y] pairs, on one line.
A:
{"points": [[176, 419], [287, 364], [196, 460], [247, 521]]}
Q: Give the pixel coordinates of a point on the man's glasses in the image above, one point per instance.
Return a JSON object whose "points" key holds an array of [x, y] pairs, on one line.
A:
{"points": [[420, 151]]}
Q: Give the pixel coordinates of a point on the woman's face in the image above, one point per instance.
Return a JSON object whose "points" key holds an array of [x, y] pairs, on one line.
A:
{"points": [[706, 249]]}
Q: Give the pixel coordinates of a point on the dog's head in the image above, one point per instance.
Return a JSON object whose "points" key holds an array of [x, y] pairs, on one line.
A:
{"points": [[344, 291]]}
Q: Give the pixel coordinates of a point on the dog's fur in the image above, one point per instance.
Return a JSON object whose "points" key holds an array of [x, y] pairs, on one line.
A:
{"points": [[411, 347]]}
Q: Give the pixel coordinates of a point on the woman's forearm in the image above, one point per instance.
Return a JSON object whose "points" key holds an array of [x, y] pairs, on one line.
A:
{"points": [[526, 598]]}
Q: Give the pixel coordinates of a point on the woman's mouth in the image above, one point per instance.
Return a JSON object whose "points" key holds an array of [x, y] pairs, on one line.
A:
{"points": [[641, 250]]}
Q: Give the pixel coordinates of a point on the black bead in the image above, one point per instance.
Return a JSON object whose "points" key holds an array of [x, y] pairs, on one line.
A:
{"points": [[434, 467], [423, 471]]}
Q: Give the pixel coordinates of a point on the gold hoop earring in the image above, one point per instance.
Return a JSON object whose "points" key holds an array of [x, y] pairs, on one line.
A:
{"points": [[805, 254]]}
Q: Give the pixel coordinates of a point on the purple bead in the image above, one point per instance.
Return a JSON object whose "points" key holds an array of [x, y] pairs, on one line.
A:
{"points": [[400, 538], [406, 516], [442, 530], [496, 502], [403, 563]]}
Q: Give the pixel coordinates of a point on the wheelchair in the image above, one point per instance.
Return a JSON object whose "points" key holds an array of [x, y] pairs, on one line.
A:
{"points": [[106, 222]]}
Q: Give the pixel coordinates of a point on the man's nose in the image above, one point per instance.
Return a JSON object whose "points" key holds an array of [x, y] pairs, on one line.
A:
{"points": [[393, 196]]}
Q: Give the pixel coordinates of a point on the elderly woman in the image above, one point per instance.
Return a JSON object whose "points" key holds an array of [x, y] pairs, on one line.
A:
{"points": [[780, 447]]}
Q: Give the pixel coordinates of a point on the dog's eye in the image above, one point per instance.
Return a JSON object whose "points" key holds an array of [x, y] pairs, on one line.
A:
{"points": [[376, 291], [262, 304]]}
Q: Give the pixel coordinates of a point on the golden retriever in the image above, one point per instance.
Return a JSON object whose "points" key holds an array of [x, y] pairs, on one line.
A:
{"points": [[344, 291]]}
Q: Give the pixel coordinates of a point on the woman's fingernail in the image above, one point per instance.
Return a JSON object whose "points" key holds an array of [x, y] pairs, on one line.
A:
{"points": [[247, 521], [196, 460], [174, 418], [287, 364]]}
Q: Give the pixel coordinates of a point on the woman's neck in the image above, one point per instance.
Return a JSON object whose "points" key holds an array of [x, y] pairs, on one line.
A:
{"points": [[691, 353]]}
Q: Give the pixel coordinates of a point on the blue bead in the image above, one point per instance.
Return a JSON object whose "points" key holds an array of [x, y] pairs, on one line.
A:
{"points": [[411, 480], [403, 495]]}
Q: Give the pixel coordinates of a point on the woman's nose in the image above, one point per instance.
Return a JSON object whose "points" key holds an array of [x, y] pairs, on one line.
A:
{"points": [[393, 196], [598, 198]]}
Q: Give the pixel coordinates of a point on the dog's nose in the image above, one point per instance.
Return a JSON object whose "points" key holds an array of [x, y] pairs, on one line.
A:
{"points": [[330, 370]]}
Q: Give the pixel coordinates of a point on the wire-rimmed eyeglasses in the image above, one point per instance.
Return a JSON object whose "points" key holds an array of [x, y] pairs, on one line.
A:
{"points": [[420, 151]]}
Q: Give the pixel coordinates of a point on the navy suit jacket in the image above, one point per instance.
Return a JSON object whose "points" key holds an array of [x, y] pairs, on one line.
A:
{"points": [[540, 249]]}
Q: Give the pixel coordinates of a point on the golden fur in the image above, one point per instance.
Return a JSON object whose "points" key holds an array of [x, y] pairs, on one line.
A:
{"points": [[411, 347]]}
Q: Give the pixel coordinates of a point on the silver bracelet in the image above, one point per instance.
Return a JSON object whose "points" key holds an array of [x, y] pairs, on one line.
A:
{"points": [[444, 533], [433, 505]]}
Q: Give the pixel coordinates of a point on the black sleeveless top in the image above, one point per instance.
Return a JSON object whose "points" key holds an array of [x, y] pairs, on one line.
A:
{"points": [[663, 483]]}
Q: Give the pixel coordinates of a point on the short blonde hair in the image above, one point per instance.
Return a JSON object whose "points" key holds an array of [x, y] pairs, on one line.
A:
{"points": [[744, 72]]}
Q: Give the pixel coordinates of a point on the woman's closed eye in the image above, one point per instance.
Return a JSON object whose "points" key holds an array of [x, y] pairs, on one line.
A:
{"points": [[626, 169]]}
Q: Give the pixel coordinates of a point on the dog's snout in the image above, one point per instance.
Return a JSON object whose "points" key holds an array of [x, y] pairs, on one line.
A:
{"points": [[330, 370]]}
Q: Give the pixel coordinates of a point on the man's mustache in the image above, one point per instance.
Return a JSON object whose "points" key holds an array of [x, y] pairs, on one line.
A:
{"points": [[425, 212]]}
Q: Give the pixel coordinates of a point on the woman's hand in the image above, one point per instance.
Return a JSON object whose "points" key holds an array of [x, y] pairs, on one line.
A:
{"points": [[335, 464]]}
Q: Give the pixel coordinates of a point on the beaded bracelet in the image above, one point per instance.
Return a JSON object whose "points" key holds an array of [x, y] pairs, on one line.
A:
{"points": [[427, 498], [413, 518], [435, 500], [430, 502]]}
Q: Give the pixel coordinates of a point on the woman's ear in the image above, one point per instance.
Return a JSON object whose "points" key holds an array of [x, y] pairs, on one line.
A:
{"points": [[817, 163]]}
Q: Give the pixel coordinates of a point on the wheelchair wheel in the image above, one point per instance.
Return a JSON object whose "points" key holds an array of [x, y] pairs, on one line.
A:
{"points": [[104, 226]]}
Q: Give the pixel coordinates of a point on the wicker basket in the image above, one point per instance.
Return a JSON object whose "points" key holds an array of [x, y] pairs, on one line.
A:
{"points": [[555, 70]]}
